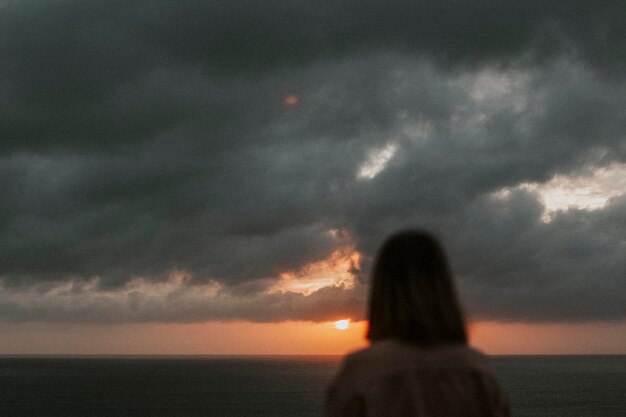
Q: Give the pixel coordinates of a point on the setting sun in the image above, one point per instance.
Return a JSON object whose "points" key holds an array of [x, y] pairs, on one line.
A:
{"points": [[342, 324]]}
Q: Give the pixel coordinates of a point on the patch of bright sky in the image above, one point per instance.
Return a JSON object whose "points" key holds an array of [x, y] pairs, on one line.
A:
{"points": [[496, 87], [489, 92], [592, 190], [178, 296], [377, 161], [334, 271], [417, 132], [87, 293]]}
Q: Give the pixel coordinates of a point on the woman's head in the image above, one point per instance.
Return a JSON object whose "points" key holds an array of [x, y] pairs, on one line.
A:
{"points": [[413, 297]]}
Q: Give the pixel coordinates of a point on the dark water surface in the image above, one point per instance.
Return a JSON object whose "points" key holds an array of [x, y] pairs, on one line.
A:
{"points": [[573, 386], [569, 386]]}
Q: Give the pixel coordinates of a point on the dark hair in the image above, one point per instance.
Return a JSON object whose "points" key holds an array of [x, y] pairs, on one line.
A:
{"points": [[413, 297]]}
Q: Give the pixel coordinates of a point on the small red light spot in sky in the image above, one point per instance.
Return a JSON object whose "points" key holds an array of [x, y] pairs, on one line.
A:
{"points": [[291, 100]]}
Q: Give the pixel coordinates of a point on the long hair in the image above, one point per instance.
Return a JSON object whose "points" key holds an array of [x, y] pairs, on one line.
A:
{"points": [[413, 297]]}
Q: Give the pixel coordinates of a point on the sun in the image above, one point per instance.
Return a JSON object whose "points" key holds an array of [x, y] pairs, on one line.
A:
{"points": [[342, 324]]}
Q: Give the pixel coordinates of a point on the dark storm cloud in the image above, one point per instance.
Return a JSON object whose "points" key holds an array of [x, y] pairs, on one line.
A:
{"points": [[523, 269], [144, 138], [68, 65], [74, 304]]}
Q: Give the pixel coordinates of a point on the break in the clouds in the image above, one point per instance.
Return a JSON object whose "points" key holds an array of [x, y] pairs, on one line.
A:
{"points": [[188, 161]]}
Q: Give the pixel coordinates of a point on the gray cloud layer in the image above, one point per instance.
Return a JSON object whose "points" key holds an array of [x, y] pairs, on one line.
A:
{"points": [[141, 138]]}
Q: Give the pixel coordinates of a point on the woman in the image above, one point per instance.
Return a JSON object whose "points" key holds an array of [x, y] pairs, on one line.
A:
{"points": [[419, 363]]}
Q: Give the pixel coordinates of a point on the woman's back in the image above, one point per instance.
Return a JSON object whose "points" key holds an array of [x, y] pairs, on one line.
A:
{"points": [[419, 363], [391, 379]]}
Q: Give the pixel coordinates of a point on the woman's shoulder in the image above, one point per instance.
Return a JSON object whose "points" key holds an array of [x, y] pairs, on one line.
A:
{"points": [[380, 374], [391, 356]]}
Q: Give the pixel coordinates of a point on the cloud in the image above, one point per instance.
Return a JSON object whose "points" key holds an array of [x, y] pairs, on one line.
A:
{"points": [[319, 292], [145, 138], [589, 189], [523, 269]]}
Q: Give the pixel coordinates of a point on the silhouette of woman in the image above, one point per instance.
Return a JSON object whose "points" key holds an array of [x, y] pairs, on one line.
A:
{"points": [[419, 363]]}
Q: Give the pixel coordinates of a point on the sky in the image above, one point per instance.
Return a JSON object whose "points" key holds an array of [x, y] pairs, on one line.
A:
{"points": [[216, 177]]}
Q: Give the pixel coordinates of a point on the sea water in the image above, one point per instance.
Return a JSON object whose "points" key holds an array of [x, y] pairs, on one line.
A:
{"points": [[537, 386], [568, 386]]}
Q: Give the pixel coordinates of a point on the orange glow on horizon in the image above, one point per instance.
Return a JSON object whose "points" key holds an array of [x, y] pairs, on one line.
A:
{"points": [[291, 338], [499, 338]]}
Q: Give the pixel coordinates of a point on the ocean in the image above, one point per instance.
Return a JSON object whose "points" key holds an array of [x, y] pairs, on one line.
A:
{"points": [[537, 386]]}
